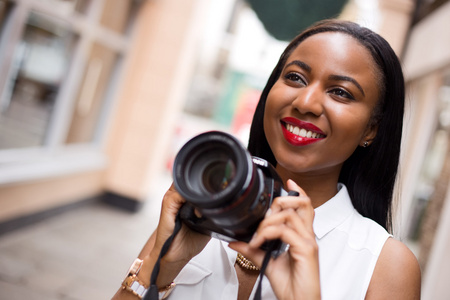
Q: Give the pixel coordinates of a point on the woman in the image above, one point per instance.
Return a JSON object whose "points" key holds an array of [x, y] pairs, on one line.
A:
{"points": [[330, 121]]}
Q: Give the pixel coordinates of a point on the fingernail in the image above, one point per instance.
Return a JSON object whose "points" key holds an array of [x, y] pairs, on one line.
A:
{"points": [[268, 212]]}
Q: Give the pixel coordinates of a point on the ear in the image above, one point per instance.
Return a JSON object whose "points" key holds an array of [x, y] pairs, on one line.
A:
{"points": [[369, 136]]}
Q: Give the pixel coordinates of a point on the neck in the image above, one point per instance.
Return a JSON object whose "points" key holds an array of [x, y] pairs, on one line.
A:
{"points": [[319, 187]]}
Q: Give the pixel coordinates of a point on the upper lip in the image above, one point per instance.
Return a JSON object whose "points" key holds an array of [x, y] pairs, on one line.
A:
{"points": [[302, 124]]}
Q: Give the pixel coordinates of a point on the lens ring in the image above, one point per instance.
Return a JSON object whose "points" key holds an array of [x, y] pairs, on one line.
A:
{"points": [[199, 148]]}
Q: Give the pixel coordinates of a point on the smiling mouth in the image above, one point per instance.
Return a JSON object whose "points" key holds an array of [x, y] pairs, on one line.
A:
{"points": [[302, 132]]}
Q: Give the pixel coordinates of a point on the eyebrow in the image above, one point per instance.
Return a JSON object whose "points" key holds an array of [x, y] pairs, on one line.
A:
{"points": [[308, 69], [346, 78], [300, 64]]}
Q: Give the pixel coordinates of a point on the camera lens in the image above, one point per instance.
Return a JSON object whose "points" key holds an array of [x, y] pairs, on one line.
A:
{"points": [[212, 169], [231, 190], [218, 175]]}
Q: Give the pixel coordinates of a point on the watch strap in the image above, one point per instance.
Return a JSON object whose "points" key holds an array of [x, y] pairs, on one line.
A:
{"points": [[135, 267], [135, 286], [131, 283], [165, 292]]}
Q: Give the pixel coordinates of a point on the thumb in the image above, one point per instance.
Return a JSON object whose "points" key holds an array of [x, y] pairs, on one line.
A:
{"points": [[292, 186]]}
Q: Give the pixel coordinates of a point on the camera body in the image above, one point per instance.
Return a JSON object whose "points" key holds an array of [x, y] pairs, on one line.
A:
{"points": [[227, 191]]}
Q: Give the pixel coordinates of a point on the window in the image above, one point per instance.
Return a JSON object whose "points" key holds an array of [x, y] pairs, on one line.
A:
{"points": [[39, 66], [60, 60], [89, 104]]}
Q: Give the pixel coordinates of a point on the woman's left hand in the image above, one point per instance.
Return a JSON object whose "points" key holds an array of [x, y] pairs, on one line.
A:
{"points": [[295, 273]]}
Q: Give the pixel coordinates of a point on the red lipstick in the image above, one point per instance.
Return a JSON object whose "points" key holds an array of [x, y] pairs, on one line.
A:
{"points": [[308, 129]]}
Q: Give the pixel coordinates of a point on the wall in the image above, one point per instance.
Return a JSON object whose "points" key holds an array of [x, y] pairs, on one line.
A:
{"points": [[158, 67], [155, 85]]}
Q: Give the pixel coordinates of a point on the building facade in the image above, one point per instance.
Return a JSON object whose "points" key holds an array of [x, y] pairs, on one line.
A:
{"points": [[86, 87], [91, 93]]}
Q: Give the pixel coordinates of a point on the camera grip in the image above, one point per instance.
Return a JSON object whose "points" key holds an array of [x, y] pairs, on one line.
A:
{"points": [[293, 193]]}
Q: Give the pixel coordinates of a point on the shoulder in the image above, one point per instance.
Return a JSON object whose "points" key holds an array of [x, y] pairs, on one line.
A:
{"points": [[396, 275], [364, 233]]}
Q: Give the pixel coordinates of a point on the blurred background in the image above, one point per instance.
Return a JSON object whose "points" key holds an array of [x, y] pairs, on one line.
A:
{"points": [[97, 97]]}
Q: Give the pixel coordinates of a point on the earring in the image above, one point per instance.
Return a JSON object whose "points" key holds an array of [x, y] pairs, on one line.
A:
{"points": [[366, 144]]}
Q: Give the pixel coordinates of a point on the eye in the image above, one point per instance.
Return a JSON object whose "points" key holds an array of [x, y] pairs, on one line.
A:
{"points": [[342, 93], [295, 77]]}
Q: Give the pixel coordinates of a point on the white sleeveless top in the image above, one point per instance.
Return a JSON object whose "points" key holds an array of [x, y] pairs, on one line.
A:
{"points": [[349, 246]]}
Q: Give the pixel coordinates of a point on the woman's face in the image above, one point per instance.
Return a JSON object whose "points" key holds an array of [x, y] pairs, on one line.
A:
{"points": [[318, 111]]}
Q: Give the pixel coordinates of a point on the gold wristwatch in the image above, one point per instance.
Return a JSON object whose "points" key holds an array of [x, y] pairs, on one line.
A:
{"points": [[131, 283]]}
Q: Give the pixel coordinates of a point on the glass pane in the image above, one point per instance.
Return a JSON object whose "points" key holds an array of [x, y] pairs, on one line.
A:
{"points": [[117, 15], [38, 70], [92, 94], [68, 6]]}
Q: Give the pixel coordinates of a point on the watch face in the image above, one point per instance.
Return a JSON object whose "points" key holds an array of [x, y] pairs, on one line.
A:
{"points": [[135, 267]]}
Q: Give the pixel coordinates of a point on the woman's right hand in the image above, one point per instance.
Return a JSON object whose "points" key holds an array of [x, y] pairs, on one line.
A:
{"points": [[187, 243]]}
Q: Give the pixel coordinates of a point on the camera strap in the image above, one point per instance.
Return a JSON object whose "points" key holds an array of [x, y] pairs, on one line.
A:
{"points": [[261, 274], [153, 293], [153, 290]]}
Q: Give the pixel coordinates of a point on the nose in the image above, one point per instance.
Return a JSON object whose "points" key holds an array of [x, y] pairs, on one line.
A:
{"points": [[309, 100]]}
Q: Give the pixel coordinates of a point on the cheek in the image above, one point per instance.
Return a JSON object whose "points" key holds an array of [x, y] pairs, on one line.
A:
{"points": [[268, 119], [271, 112], [271, 103], [278, 99], [280, 94], [270, 109], [350, 123]]}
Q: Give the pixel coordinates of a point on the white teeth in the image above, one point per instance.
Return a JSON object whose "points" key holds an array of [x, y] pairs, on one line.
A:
{"points": [[302, 132]]}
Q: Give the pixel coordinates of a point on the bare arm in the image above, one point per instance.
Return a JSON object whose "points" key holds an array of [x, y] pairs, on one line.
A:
{"points": [[397, 274], [148, 246], [185, 246]]}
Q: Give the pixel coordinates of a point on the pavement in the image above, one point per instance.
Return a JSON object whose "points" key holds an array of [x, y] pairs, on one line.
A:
{"points": [[81, 254]]}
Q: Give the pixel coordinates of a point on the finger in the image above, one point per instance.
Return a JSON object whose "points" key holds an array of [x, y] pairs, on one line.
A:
{"points": [[293, 186], [171, 204], [306, 201], [292, 200], [283, 232], [295, 203], [286, 218], [301, 205], [172, 200]]}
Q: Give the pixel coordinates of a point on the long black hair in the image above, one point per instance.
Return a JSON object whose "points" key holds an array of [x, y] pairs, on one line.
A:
{"points": [[369, 173]]}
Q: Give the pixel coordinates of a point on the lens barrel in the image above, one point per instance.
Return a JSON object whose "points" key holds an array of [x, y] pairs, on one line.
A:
{"points": [[212, 169], [223, 183]]}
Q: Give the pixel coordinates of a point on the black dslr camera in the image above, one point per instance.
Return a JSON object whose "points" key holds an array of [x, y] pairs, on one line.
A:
{"points": [[230, 189]]}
